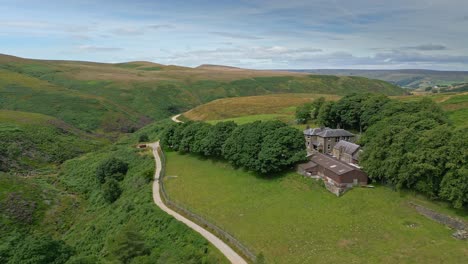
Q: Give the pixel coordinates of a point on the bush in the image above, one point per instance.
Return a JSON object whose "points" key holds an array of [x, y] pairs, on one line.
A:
{"points": [[148, 175], [18, 208], [111, 167], [128, 244], [111, 190], [41, 250], [143, 138]]}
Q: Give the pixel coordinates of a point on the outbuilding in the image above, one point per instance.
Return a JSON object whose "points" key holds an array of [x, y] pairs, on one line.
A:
{"points": [[338, 176]]}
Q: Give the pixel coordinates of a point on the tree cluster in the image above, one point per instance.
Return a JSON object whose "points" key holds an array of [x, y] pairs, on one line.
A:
{"points": [[408, 145], [109, 173], [262, 147], [309, 111]]}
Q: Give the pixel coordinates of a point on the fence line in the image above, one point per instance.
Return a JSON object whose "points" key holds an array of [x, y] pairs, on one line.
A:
{"points": [[225, 236]]}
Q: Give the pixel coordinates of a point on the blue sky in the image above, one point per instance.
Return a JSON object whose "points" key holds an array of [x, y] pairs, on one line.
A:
{"points": [[365, 34]]}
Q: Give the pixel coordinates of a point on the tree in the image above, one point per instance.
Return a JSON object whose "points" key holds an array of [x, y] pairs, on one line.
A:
{"points": [[168, 135], [111, 167], [370, 108], [316, 105], [407, 148], [178, 135], [454, 185], [303, 113], [246, 142], [280, 149], [326, 116], [189, 141], [111, 190], [212, 144], [41, 250]]}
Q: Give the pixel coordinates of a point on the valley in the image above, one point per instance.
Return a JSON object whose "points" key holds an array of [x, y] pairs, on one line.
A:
{"points": [[62, 121]]}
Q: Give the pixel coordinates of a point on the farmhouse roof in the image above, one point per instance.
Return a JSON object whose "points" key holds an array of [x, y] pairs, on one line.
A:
{"points": [[347, 147], [308, 165], [314, 131], [327, 132], [332, 164], [335, 133]]}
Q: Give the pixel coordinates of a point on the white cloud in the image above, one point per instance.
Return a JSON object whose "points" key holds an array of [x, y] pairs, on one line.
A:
{"points": [[91, 48]]}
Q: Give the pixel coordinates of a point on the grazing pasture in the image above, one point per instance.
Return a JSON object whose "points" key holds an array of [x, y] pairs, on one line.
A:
{"points": [[291, 219]]}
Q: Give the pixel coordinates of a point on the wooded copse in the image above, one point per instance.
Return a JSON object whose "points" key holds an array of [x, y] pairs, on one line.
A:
{"points": [[262, 147], [408, 145]]}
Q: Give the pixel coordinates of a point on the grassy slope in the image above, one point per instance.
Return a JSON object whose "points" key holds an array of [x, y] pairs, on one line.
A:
{"points": [[282, 107], [33, 141], [252, 105], [71, 208], [293, 220], [94, 96], [169, 240]]}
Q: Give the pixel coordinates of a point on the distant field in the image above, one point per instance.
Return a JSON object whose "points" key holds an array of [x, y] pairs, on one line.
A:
{"points": [[456, 105], [293, 220], [252, 108], [282, 107]]}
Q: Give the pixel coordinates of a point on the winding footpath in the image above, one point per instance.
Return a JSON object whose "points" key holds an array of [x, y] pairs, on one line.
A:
{"points": [[174, 118], [230, 254]]}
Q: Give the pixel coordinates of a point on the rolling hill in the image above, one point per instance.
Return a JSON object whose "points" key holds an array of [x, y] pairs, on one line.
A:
{"points": [[405, 78], [122, 97]]}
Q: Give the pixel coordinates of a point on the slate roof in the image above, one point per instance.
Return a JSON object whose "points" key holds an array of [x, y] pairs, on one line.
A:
{"points": [[314, 131], [335, 133], [308, 165], [347, 147], [327, 132], [332, 164]]}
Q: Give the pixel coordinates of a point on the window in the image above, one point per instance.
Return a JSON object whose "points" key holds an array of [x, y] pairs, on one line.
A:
{"points": [[337, 139], [328, 147], [329, 139]]}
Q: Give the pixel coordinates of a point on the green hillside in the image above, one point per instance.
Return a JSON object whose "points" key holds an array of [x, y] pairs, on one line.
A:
{"points": [[124, 97], [57, 121], [52, 219], [412, 79], [34, 141]]}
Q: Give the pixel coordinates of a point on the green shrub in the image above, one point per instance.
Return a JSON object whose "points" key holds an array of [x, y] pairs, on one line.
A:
{"points": [[111, 167], [127, 244], [41, 250], [143, 138], [111, 190]]}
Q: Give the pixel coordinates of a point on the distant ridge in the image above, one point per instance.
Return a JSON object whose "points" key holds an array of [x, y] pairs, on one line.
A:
{"points": [[408, 78], [219, 67]]}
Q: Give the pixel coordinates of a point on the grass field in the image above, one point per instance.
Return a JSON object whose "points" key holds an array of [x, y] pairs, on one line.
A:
{"points": [[294, 220], [282, 107], [253, 108]]}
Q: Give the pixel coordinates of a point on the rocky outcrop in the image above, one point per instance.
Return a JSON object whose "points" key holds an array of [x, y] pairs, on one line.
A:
{"points": [[460, 226]]}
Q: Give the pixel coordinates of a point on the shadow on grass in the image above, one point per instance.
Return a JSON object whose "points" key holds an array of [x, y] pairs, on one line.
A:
{"points": [[221, 161]]}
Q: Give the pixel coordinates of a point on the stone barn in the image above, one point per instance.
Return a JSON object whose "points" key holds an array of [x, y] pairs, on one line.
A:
{"points": [[338, 176]]}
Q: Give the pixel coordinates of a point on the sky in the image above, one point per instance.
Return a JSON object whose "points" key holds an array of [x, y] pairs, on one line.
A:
{"points": [[256, 34]]}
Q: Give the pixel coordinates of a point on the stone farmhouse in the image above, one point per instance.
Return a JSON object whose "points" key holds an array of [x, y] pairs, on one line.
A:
{"points": [[347, 152], [333, 158], [323, 139]]}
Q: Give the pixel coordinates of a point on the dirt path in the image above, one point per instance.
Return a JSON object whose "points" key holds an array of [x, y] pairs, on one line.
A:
{"points": [[230, 254], [174, 118]]}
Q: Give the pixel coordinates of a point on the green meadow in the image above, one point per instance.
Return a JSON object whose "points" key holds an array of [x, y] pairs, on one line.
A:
{"points": [[292, 219]]}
